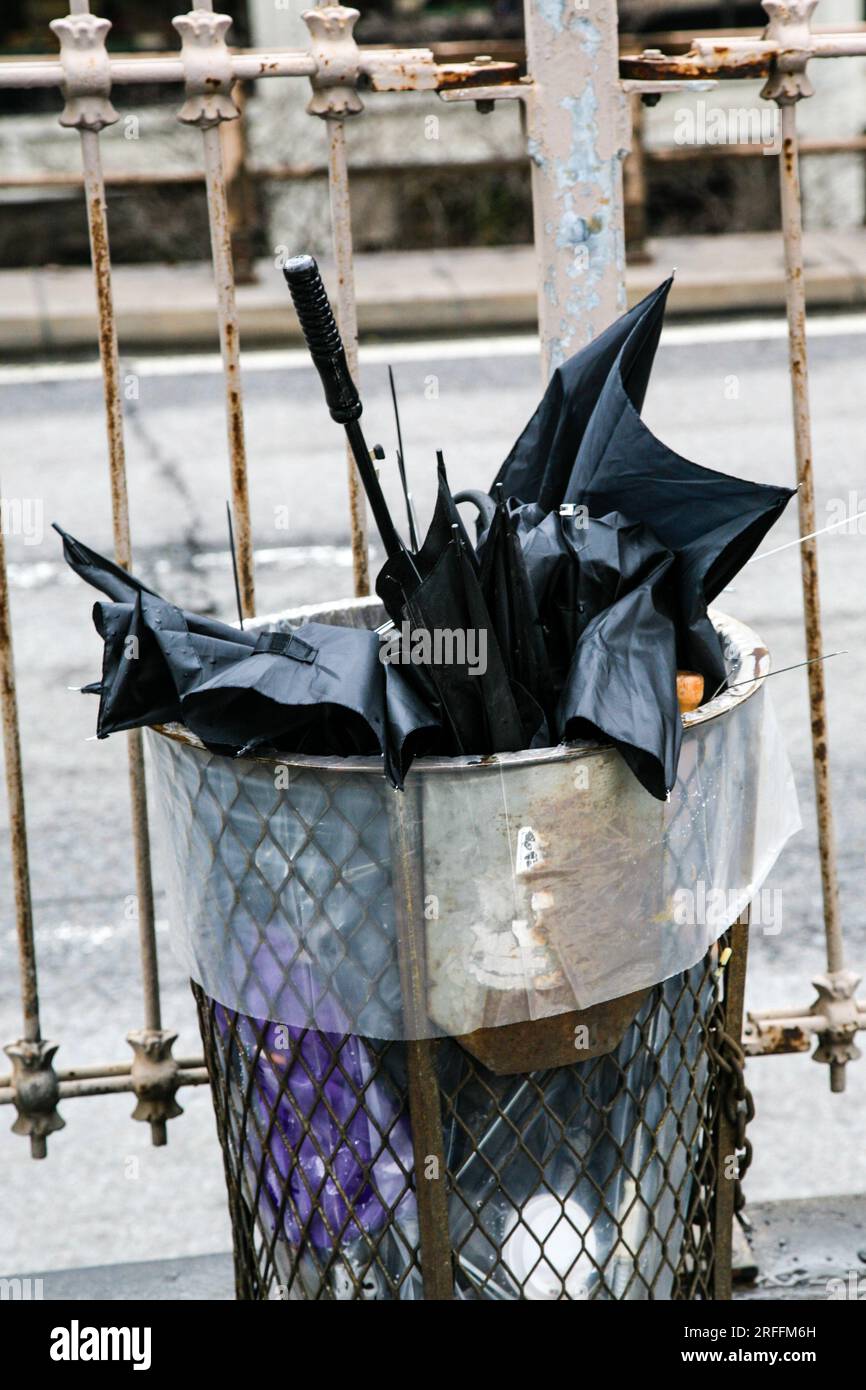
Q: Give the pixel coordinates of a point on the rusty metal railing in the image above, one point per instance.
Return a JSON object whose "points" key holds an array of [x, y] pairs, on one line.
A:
{"points": [[575, 96]]}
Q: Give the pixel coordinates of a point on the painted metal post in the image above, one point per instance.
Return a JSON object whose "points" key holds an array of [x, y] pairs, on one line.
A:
{"points": [[578, 134]]}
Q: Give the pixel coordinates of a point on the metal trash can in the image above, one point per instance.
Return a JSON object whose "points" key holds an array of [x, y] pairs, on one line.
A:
{"points": [[469, 1040]]}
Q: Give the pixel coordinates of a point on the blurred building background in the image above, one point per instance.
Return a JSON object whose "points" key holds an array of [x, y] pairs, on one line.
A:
{"points": [[426, 174]]}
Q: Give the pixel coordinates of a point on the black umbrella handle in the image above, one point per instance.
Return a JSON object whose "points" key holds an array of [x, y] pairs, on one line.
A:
{"points": [[322, 337]]}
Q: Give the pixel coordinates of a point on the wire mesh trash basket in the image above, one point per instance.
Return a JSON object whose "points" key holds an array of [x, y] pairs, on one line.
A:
{"points": [[464, 1041], [595, 1180]]}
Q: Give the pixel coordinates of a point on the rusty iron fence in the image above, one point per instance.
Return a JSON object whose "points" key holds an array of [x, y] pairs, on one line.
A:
{"points": [[576, 96]]}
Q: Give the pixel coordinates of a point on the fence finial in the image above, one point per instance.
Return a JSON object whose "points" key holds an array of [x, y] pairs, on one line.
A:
{"points": [[332, 42], [207, 66], [36, 1091], [86, 71], [789, 26]]}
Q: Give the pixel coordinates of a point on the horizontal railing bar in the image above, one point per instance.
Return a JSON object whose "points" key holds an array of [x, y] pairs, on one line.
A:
{"points": [[416, 69], [631, 45], [767, 1033], [100, 1069], [288, 173], [723, 59], [136, 71], [408, 69], [108, 1085]]}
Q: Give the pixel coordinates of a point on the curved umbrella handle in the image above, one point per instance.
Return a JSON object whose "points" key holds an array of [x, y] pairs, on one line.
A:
{"points": [[322, 337], [482, 500]]}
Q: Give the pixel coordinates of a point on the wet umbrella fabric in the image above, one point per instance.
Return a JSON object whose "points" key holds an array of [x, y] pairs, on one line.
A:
{"points": [[321, 689], [713, 522], [622, 585], [442, 605], [606, 598], [540, 463], [507, 589]]}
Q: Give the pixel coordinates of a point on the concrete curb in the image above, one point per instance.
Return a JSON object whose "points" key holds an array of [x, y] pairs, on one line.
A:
{"points": [[406, 293]]}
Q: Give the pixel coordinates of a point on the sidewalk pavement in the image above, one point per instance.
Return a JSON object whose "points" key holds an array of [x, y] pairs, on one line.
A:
{"points": [[415, 292], [803, 1250]]}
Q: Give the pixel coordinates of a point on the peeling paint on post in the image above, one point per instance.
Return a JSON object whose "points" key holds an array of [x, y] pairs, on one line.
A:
{"points": [[578, 134]]}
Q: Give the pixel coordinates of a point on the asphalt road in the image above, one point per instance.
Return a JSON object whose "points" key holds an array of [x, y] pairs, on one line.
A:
{"points": [[720, 395]]}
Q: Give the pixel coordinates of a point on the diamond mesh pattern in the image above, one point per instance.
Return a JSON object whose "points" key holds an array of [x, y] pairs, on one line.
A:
{"points": [[593, 1180], [295, 889]]}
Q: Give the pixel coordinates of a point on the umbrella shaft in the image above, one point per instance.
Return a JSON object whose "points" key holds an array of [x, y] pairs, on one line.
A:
{"points": [[390, 539]]}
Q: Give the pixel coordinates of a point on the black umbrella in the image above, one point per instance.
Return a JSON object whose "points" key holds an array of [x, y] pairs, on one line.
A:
{"points": [[446, 639], [625, 544], [320, 689], [444, 623], [539, 465], [603, 590], [508, 591], [712, 522], [621, 680]]}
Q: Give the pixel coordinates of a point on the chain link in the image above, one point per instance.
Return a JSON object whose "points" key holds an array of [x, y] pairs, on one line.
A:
{"points": [[738, 1103]]}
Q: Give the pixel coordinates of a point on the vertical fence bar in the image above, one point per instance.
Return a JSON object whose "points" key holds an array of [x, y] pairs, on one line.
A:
{"points": [[94, 189], [578, 129], [209, 83], [787, 84], [87, 86], [240, 191], [347, 317], [34, 1082], [795, 297], [17, 822], [221, 250], [635, 188]]}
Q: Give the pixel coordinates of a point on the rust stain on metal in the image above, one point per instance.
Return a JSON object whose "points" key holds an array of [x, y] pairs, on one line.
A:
{"points": [[792, 231], [724, 62], [17, 818], [224, 280], [108, 354], [449, 76], [512, 1048], [774, 1039]]}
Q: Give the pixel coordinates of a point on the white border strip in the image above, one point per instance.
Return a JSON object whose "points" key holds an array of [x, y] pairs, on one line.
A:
{"points": [[426, 350]]}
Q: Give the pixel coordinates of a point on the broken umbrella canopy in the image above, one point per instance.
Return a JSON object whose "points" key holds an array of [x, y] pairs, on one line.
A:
{"points": [[320, 689], [625, 544]]}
